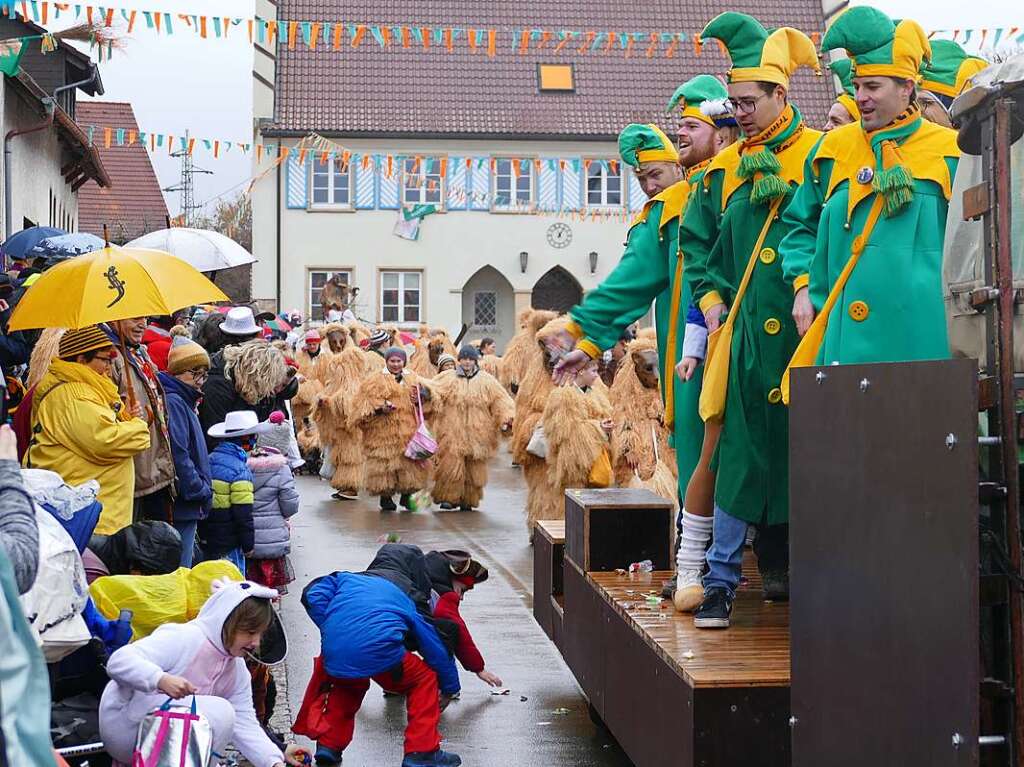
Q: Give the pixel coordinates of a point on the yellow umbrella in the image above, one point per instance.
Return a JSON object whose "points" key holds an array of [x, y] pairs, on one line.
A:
{"points": [[112, 284]]}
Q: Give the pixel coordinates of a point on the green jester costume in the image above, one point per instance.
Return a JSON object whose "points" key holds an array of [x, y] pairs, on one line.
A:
{"points": [[888, 188], [741, 194], [651, 269]]}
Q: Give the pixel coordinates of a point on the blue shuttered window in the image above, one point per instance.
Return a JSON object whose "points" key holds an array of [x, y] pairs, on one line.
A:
{"points": [[480, 186], [388, 186], [547, 185], [366, 186], [296, 181], [456, 182], [572, 186], [635, 197]]}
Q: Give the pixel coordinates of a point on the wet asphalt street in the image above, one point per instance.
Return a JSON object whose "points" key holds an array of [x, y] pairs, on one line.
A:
{"points": [[484, 729]]}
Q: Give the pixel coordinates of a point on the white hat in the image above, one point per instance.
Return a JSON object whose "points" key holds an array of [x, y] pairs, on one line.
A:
{"points": [[239, 322], [238, 423]]}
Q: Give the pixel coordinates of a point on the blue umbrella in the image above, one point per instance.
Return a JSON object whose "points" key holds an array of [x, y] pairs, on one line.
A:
{"points": [[19, 243], [65, 246]]}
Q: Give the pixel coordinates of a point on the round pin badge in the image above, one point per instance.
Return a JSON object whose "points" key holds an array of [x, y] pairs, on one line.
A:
{"points": [[865, 174]]}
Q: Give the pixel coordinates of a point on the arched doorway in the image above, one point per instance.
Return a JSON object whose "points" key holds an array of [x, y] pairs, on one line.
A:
{"points": [[557, 290], [488, 307]]}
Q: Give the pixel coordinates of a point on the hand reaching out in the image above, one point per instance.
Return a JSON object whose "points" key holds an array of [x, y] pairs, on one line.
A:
{"points": [[176, 687], [487, 677], [685, 368]]}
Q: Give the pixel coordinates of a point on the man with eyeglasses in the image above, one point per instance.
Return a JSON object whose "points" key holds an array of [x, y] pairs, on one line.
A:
{"points": [[730, 229], [188, 367], [883, 183]]}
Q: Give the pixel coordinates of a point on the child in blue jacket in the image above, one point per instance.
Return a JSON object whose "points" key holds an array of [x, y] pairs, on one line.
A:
{"points": [[228, 533], [366, 624]]}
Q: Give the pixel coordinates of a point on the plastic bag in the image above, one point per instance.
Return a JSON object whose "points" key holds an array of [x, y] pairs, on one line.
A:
{"points": [[59, 593], [538, 444], [422, 445], [601, 472], [326, 465], [158, 599]]}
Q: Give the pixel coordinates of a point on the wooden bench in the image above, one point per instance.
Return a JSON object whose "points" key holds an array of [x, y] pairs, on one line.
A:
{"points": [[548, 553], [672, 695]]}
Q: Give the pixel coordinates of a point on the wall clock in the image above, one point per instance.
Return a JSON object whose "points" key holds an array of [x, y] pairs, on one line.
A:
{"points": [[559, 235]]}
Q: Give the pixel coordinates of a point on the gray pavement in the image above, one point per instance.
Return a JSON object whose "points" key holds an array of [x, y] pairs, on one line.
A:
{"points": [[484, 729]]}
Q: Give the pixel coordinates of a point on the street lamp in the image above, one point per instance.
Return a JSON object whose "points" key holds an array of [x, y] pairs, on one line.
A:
{"points": [[593, 261], [524, 257]]}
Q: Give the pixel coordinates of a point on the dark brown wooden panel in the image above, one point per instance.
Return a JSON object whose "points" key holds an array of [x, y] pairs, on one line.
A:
{"points": [[543, 559], [583, 644], [884, 564], [609, 529], [741, 727]]}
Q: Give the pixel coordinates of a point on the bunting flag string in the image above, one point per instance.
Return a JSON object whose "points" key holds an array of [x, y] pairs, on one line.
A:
{"points": [[476, 39]]}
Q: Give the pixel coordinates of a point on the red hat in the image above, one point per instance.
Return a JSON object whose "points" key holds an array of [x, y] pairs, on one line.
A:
{"points": [[313, 335]]}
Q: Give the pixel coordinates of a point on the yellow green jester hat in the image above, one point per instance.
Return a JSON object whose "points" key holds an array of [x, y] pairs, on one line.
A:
{"points": [[759, 55], [692, 95], [646, 143], [843, 69], [879, 46], [950, 70]]}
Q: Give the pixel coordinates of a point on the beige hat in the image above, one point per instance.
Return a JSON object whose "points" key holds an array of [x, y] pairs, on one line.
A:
{"points": [[185, 354]]}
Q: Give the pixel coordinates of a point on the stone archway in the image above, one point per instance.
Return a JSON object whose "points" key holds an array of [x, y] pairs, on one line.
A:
{"points": [[556, 290], [488, 307]]}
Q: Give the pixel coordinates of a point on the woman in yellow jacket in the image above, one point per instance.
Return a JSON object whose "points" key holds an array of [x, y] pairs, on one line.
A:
{"points": [[82, 430]]}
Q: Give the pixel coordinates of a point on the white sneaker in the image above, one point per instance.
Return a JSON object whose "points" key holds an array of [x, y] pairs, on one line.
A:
{"points": [[689, 591]]}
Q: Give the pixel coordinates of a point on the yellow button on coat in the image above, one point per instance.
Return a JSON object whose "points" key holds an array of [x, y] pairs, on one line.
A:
{"points": [[772, 326], [767, 256], [859, 311], [775, 396]]}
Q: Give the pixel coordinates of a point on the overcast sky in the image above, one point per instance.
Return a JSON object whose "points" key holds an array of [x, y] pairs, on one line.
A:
{"points": [[182, 82]]}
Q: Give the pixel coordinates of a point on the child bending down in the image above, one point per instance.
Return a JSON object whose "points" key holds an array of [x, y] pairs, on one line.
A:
{"points": [[366, 623], [204, 658]]}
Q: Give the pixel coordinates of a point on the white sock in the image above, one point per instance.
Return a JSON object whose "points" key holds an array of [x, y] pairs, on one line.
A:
{"points": [[693, 542]]}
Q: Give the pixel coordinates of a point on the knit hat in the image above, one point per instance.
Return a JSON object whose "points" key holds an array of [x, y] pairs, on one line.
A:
{"points": [[843, 69], [396, 351], [378, 337], [185, 354], [950, 71], [444, 359], [879, 46], [87, 339], [759, 55], [645, 143], [313, 335], [469, 352], [691, 96]]}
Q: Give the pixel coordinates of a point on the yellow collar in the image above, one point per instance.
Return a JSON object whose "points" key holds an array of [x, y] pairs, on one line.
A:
{"points": [[924, 154], [792, 158], [673, 199]]}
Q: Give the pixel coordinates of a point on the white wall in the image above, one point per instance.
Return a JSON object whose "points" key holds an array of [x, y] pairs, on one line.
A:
{"points": [[452, 246], [36, 160]]}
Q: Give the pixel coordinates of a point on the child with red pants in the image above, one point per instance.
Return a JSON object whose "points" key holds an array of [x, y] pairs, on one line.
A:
{"points": [[366, 623]]}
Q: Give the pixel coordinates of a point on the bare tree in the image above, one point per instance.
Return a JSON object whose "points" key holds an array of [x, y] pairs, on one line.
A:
{"points": [[232, 218]]}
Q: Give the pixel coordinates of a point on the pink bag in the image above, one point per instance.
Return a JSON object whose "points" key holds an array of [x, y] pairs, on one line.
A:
{"points": [[422, 445]]}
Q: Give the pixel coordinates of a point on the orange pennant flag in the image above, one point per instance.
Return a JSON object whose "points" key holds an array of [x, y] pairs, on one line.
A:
{"points": [[671, 52], [192, 145], [202, 27], [249, 24], [536, 164], [271, 31], [216, 149], [88, 12], [653, 46], [471, 34], [564, 41], [336, 42], [46, 11], [610, 44], [815, 38], [359, 35], [226, 25], [109, 22], [132, 135], [406, 37], [107, 132], [469, 163], [385, 32], [697, 47], [131, 21], [390, 166], [302, 154], [366, 161], [293, 27], [324, 157], [259, 153], [282, 151], [426, 32], [515, 167], [448, 40], [544, 38], [588, 42], [524, 41], [345, 157], [444, 166], [170, 145], [629, 46], [314, 35], [492, 43]]}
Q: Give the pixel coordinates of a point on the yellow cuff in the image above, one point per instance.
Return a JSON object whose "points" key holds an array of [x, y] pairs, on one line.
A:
{"points": [[801, 282], [585, 345], [574, 330], [711, 299]]}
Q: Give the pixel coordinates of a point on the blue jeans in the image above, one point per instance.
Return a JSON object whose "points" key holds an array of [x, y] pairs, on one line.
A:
{"points": [[725, 557], [187, 530]]}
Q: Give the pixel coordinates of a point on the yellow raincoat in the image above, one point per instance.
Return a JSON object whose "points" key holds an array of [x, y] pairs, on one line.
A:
{"points": [[80, 431]]}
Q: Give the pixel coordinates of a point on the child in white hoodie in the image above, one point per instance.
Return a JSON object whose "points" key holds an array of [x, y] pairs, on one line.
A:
{"points": [[205, 658]]}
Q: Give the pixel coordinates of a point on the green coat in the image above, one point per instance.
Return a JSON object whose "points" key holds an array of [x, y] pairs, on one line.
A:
{"points": [[718, 233], [892, 307], [646, 273]]}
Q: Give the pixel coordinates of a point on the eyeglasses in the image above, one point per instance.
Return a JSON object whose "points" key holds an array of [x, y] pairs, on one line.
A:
{"points": [[199, 375], [108, 359], [745, 106]]}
